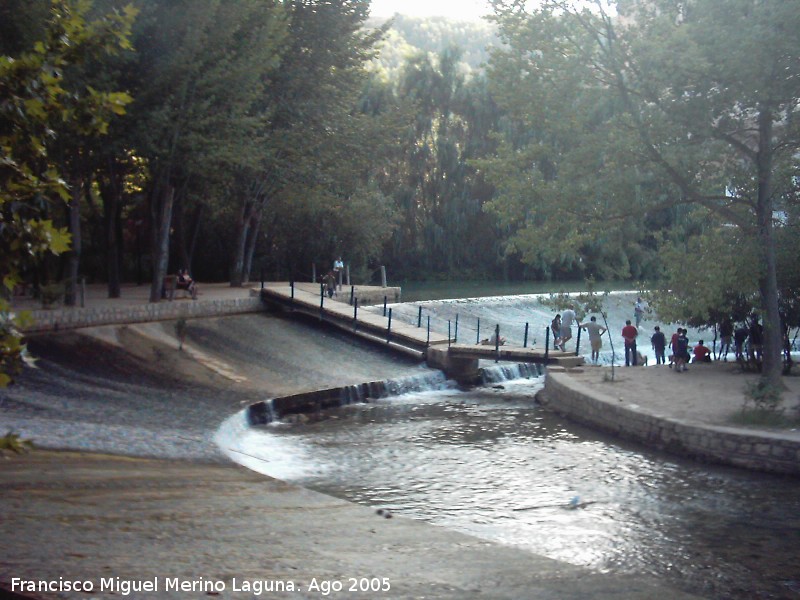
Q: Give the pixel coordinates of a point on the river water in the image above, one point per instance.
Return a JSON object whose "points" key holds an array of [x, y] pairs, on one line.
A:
{"points": [[492, 463]]}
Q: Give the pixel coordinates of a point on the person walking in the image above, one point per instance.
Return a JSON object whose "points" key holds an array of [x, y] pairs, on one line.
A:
{"points": [[659, 343], [629, 334]]}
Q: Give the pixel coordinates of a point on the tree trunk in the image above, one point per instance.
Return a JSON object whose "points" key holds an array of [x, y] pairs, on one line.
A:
{"points": [[768, 279], [196, 220], [75, 254], [161, 217], [242, 229], [252, 242], [111, 213], [181, 235]]}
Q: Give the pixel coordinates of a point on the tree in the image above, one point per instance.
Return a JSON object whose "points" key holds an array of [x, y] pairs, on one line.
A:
{"points": [[198, 73], [696, 104], [314, 147], [37, 105]]}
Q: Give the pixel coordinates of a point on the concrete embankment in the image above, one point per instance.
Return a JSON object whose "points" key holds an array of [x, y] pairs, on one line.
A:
{"points": [[689, 414]]}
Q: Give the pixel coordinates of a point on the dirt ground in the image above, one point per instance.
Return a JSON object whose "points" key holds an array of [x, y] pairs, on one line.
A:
{"points": [[711, 393]]}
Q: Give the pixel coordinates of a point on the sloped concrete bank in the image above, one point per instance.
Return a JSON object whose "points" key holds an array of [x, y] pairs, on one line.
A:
{"points": [[757, 450]]}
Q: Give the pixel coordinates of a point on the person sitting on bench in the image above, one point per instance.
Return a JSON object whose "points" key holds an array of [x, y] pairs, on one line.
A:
{"points": [[185, 282]]}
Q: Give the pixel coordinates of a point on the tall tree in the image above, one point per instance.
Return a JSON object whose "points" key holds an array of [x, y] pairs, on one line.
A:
{"points": [[696, 103], [199, 71], [309, 102], [37, 105]]}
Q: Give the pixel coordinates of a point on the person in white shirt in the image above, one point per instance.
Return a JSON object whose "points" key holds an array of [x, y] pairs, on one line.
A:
{"points": [[596, 332], [567, 317]]}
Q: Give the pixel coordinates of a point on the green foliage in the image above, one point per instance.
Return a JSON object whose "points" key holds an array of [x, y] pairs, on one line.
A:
{"points": [[37, 105], [11, 442]]}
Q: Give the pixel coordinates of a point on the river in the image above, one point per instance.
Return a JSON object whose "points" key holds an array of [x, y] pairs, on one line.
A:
{"points": [[490, 462]]}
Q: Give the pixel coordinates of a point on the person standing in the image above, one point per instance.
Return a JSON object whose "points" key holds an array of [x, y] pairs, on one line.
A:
{"points": [[555, 329], [338, 270], [681, 351], [638, 311], [726, 337], [596, 332], [629, 334], [567, 317], [659, 343]]}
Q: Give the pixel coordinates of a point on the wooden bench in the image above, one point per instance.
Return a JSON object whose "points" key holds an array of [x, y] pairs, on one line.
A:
{"points": [[171, 286]]}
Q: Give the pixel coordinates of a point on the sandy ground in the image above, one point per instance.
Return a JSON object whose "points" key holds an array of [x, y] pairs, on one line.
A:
{"points": [[709, 393]]}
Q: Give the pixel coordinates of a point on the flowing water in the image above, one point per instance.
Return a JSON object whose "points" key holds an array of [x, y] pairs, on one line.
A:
{"points": [[491, 463]]}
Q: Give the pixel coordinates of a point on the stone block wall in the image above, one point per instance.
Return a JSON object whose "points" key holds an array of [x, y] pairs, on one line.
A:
{"points": [[74, 318], [763, 451]]}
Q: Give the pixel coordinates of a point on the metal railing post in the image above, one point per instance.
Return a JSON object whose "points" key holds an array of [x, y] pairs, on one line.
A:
{"points": [[546, 343], [448, 333], [419, 317], [525, 342], [389, 328], [428, 342], [578, 342], [497, 343], [478, 335], [455, 333]]}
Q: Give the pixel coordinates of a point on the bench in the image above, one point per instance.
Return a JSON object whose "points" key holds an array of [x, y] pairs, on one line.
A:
{"points": [[171, 285]]}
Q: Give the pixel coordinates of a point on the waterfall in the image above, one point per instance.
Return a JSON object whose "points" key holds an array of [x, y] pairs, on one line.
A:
{"points": [[274, 409], [508, 372]]}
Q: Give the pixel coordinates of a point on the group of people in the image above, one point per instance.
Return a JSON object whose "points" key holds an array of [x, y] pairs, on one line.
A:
{"points": [[681, 353], [561, 328]]}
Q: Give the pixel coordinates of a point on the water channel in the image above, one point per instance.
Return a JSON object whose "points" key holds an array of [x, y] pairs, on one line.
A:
{"points": [[492, 463]]}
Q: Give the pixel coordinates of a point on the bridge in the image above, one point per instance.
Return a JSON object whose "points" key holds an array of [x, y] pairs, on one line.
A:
{"points": [[459, 361]]}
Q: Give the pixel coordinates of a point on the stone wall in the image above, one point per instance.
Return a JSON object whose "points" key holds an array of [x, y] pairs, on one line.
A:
{"points": [[723, 445], [74, 318]]}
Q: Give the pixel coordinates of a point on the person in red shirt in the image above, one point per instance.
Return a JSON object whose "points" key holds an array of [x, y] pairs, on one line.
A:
{"points": [[629, 334], [701, 353]]}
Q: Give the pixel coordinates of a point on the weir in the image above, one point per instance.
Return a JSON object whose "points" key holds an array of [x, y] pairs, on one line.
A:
{"points": [[274, 409], [458, 361]]}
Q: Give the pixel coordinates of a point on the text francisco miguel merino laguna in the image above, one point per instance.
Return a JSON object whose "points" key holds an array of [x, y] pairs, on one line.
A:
{"points": [[155, 584]]}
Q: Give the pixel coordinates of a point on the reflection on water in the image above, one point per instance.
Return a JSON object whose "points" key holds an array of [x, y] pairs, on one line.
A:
{"points": [[491, 463]]}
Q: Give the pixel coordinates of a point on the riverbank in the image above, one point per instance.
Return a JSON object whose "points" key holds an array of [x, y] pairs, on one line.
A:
{"points": [[131, 391], [700, 414]]}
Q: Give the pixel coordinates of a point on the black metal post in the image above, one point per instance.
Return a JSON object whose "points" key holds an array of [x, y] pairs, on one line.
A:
{"points": [[428, 343], [478, 335], [291, 285], [419, 317], [525, 342], [352, 294], [389, 328], [321, 299], [455, 334], [448, 333], [546, 342], [578, 342], [497, 343], [384, 305]]}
